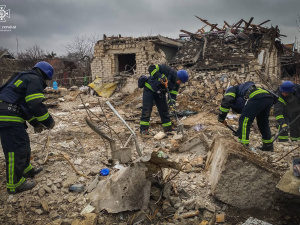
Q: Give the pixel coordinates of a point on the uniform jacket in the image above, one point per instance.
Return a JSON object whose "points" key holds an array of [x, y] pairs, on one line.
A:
{"points": [[287, 106], [236, 96], [158, 72], [21, 98]]}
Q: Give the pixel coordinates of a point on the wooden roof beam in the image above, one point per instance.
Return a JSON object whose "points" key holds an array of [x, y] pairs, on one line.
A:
{"points": [[263, 22], [238, 24], [213, 26], [248, 23]]}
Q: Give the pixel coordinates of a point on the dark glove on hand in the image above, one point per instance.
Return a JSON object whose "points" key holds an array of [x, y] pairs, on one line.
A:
{"points": [[39, 128], [52, 125], [222, 117]]}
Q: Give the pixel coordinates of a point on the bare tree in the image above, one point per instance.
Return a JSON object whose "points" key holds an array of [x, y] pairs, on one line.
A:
{"points": [[50, 55], [31, 56], [82, 46]]}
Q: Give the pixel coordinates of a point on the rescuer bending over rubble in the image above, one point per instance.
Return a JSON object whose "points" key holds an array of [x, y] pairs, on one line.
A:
{"points": [[21, 100], [287, 109], [251, 102], [162, 79]]}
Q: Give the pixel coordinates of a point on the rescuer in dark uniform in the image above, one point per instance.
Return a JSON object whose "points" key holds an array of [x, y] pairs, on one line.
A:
{"points": [[252, 103], [287, 109], [155, 89], [21, 100]]}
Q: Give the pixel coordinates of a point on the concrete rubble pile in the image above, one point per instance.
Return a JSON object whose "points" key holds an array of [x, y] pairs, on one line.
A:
{"points": [[231, 55], [178, 180]]}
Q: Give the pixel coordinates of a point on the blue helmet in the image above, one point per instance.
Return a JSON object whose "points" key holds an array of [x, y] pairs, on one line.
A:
{"points": [[287, 87], [46, 68], [182, 75]]}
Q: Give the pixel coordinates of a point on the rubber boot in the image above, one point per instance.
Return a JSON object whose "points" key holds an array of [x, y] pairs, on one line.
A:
{"points": [[144, 132], [267, 147], [31, 173], [26, 186], [169, 130]]}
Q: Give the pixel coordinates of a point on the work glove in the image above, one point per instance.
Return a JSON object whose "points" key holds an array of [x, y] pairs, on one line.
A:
{"points": [[284, 127], [39, 128], [52, 125], [172, 104], [222, 117], [164, 82]]}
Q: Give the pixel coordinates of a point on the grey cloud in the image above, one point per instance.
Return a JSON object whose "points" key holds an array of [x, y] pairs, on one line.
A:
{"points": [[53, 24]]}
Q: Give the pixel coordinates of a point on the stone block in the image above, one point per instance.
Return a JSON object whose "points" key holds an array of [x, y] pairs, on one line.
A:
{"points": [[290, 186], [240, 177], [197, 144]]}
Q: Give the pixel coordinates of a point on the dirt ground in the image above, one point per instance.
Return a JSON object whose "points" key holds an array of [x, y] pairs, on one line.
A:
{"points": [[51, 202]]}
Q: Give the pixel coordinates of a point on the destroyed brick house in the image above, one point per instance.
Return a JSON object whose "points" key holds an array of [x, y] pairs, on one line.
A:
{"points": [[8, 65], [215, 59]]}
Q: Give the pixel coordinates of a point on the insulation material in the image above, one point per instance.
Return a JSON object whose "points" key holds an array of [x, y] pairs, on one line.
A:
{"points": [[103, 89]]}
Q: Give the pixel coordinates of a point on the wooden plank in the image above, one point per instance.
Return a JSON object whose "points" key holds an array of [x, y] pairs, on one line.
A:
{"points": [[212, 25], [248, 23], [226, 24], [263, 22], [237, 25]]}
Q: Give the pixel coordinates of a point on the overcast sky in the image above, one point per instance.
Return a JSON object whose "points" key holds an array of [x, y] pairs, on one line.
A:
{"points": [[52, 24]]}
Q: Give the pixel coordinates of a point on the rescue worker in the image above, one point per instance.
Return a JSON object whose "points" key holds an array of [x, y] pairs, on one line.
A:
{"points": [[161, 78], [21, 100], [287, 109], [251, 102]]}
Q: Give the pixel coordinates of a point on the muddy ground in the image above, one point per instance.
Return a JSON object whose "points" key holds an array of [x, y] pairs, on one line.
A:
{"points": [[51, 202]]}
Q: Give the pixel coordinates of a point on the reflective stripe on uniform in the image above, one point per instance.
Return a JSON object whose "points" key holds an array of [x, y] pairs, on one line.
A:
{"points": [[259, 91], [244, 131], [43, 117], [281, 100], [13, 186], [279, 117], [173, 92], [28, 168], [283, 137], [34, 96], [295, 139], [144, 123], [11, 119], [31, 119], [224, 109], [155, 70], [167, 124], [18, 82], [267, 141], [230, 94], [11, 168], [148, 86]]}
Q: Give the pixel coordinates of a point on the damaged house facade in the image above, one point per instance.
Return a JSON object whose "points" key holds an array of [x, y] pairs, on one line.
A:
{"points": [[116, 57], [215, 60]]}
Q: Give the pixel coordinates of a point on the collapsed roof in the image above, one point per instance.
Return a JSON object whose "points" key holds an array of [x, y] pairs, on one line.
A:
{"points": [[226, 47]]}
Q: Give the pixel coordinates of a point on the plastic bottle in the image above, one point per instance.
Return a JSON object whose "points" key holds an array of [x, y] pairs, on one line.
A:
{"points": [[55, 85], [76, 188]]}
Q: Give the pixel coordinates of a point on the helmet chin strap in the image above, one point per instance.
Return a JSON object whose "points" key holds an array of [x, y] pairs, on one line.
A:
{"points": [[40, 72]]}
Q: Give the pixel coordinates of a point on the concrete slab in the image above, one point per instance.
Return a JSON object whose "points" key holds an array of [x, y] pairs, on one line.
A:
{"points": [[239, 177], [126, 190], [197, 144], [289, 185]]}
